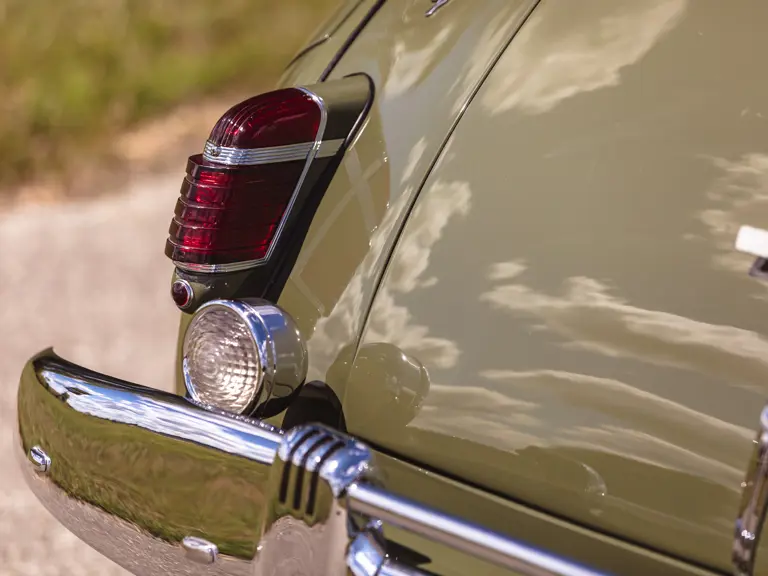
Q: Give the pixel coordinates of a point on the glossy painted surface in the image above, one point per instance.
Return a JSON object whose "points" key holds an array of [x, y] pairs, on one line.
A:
{"points": [[518, 521], [309, 66], [331, 30], [425, 70], [753, 511], [567, 277]]}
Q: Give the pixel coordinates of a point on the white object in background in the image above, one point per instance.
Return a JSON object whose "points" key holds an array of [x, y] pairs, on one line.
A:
{"points": [[752, 241]]}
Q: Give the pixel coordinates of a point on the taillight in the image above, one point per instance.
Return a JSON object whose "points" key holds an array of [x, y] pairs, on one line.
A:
{"points": [[237, 195]]}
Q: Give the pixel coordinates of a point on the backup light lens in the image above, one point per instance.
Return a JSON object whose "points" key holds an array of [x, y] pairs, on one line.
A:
{"points": [[243, 356], [221, 360]]}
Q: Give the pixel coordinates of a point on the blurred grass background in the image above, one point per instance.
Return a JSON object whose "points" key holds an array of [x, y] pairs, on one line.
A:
{"points": [[74, 73]]}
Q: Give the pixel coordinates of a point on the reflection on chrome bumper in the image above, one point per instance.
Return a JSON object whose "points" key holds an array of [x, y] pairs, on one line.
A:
{"points": [[163, 486], [124, 457]]}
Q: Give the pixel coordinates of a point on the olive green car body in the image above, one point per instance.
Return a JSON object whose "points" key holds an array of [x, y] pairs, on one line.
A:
{"points": [[541, 209], [573, 176]]}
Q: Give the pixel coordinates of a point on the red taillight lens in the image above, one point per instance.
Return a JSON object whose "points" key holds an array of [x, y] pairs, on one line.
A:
{"points": [[279, 118], [236, 195]]}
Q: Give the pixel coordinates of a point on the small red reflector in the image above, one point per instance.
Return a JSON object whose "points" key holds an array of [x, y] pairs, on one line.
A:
{"points": [[235, 196], [181, 292]]}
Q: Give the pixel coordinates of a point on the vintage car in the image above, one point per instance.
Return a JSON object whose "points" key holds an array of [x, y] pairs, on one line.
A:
{"points": [[479, 288]]}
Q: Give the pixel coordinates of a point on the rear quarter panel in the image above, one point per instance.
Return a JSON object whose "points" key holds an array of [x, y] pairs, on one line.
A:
{"points": [[424, 71], [567, 276]]}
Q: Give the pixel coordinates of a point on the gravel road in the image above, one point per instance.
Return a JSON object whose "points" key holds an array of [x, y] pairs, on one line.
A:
{"points": [[91, 279]]}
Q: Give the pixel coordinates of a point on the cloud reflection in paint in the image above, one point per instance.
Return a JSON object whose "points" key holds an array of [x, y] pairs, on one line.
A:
{"points": [[739, 196], [393, 322], [558, 54], [589, 317], [340, 327], [515, 410], [389, 322], [410, 66]]}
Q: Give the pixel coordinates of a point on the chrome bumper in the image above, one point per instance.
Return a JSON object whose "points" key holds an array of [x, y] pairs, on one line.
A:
{"points": [[162, 486]]}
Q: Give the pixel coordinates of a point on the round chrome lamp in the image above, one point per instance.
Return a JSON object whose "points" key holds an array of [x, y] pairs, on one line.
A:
{"points": [[243, 356]]}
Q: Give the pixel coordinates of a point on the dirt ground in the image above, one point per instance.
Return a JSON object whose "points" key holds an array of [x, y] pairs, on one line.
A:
{"points": [[89, 278]]}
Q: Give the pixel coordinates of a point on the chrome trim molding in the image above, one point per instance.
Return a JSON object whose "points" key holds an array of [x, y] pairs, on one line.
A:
{"points": [[218, 268], [437, 4], [307, 49], [390, 568], [333, 27], [754, 505], [232, 156], [278, 343], [144, 465], [345, 491], [200, 550], [316, 149], [752, 241], [458, 534], [366, 556], [40, 461], [310, 157], [329, 147]]}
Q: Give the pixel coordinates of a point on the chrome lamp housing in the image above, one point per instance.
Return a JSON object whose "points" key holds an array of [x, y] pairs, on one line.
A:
{"points": [[243, 356]]}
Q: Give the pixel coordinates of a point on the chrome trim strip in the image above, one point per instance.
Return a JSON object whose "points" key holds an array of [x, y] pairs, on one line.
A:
{"points": [[307, 49], [437, 4], [365, 556], [217, 268], [458, 534], [329, 147], [334, 24], [310, 157], [350, 39], [200, 550], [754, 505], [752, 241], [317, 150], [41, 462], [232, 156], [351, 479], [392, 568]]}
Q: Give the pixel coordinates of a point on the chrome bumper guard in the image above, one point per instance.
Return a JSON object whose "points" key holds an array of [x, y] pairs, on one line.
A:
{"points": [[163, 486]]}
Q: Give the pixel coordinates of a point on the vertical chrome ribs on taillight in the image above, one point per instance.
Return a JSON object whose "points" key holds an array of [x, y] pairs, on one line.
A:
{"points": [[265, 157]]}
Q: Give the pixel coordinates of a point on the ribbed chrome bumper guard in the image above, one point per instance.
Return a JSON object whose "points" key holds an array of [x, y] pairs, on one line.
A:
{"points": [[162, 486]]}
